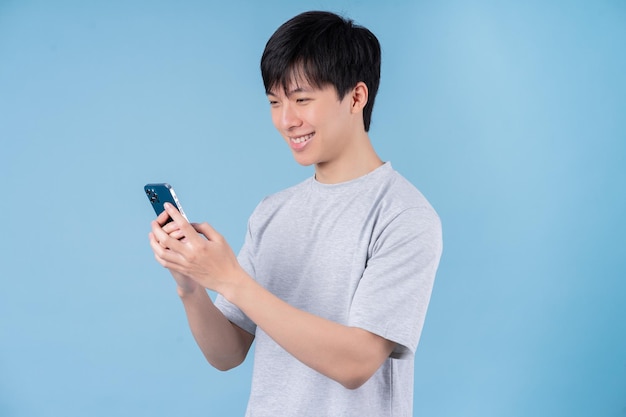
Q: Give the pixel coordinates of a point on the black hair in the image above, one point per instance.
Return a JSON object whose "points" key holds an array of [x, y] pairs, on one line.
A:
{"points": [[323, 49]]}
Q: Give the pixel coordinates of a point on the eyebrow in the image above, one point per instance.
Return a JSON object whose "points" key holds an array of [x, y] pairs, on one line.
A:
{"points": [[289, 93]]}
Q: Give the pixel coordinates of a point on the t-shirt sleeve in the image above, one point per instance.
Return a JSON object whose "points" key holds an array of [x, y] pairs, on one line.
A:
{"points": [[231, 311], [393, 294]]}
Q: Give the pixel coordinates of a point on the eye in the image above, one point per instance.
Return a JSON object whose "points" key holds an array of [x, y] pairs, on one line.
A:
{"points": [[303, 100]]}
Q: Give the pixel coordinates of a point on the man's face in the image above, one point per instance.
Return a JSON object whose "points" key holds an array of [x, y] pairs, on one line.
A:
{"points": [[316, 125]]}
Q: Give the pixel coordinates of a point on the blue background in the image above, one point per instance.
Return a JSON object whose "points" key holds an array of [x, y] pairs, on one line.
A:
{"points": [[509, 117]]}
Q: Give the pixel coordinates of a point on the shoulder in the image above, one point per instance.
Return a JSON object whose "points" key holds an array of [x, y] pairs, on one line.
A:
{"points": [[400, 197], [403, 214]]}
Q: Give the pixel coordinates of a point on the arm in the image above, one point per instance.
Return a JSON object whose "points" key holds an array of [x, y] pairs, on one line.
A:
{"points": [[223, 344], [348, 355]]}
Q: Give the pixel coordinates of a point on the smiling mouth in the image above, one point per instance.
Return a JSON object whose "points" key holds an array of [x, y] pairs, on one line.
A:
{"points": [[301, 139]]}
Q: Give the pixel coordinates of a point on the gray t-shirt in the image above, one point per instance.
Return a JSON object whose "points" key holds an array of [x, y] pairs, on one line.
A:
{"points": [[363, 253]]}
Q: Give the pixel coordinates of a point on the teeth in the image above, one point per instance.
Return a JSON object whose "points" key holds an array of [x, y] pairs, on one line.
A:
{"points": [[302, 138]]}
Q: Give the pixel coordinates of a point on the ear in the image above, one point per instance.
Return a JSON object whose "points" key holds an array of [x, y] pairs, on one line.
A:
{"points": [[359, 97]]}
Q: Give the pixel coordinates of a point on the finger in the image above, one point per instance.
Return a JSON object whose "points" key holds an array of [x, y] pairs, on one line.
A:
{"points": [[174, 213], [162, 218], [157, 230], [166, 257], [186, 232], [164, 239], [171, 227], [159, 251], [209, 232], [156, 235], [179, 219], [174, 231], [177, 234]]}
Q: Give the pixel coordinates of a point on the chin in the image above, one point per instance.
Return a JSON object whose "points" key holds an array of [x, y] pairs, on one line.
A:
{"points": [[305, 164], [304, 161]]}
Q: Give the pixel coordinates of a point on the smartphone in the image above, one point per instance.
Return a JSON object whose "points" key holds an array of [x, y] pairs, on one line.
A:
{"points": [[161, 193]]}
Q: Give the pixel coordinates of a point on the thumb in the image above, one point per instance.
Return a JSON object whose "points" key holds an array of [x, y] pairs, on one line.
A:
{"points": [[209, 232]]}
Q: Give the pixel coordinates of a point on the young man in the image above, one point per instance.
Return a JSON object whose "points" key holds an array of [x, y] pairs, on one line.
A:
{"points": [[335, 275]]}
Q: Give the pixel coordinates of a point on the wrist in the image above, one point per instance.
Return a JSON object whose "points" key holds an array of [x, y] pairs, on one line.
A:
{"points": [[186, 291], [236, 285]]}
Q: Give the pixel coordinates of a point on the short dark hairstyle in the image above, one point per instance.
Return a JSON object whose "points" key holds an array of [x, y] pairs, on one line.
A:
{"points": [[323, 49]]}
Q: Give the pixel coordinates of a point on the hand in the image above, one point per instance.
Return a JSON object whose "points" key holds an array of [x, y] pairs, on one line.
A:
{"points": [[185, 284], [193, 252]]}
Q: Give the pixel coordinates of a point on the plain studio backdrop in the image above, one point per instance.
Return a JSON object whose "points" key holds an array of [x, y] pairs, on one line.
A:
{"points": [[508, 116]]}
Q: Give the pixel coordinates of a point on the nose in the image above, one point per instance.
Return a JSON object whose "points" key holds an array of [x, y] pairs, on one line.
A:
{"points": [[288, 117]]}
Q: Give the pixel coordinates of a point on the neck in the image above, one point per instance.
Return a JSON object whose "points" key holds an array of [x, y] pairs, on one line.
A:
{"points": [[359, 162]]}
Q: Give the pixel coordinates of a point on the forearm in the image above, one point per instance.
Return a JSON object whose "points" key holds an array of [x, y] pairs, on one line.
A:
{"points": [[348, 355], [345, 354], [223, 344]]}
